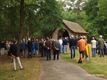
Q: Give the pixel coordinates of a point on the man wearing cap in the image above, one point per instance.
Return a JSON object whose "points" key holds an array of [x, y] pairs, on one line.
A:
{"points": [[101, 45]]}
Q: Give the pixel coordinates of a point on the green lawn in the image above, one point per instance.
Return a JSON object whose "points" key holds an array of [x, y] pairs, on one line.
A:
{"points": [[31, 69], [96, 66]]}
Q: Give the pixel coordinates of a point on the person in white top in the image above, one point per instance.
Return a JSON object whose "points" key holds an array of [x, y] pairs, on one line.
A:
{"points": [[105, 48], [93, 44], [60, 42]]}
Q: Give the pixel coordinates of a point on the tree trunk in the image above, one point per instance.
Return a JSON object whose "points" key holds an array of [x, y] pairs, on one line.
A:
{"points": [[21, 32]]}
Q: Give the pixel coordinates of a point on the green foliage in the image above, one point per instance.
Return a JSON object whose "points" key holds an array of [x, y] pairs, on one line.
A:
{"points": [[102, 9], [93, 17], [102, 16], [9, 19], [40, 17], [70, 15], [91, 9], [49, 16], [96, 11]]}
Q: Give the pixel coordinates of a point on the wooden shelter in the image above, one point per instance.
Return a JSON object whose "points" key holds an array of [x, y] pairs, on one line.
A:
{"points": [[70, 28]]}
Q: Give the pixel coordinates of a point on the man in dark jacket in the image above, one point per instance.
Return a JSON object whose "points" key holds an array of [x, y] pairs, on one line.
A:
{"points": [[72, 45], [56, 49], [29, 45], [48, 48], [13, 53], [65, 44]]}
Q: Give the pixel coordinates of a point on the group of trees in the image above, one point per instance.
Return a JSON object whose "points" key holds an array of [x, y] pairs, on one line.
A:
{"points": [[40, 17], [28, 18], [92, 16], [96, 11]]}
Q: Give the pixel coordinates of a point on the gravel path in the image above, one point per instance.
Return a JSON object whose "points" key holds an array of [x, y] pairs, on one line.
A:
{"points": [[61, 70]]}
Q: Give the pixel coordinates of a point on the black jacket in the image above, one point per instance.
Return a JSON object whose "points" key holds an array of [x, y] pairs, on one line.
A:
{"points": [[72, 42], [29, 44], [13, 50]]}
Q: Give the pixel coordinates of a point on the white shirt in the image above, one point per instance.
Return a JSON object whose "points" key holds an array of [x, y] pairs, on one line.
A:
{"points": [[93, 43], [60, 41], [105, 45]]}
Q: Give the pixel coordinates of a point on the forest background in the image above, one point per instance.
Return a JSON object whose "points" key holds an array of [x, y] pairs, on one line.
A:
{"points": [[40, 17]]}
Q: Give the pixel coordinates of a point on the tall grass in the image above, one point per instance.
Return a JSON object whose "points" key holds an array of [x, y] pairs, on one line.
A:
{"points": [[31, 69]]}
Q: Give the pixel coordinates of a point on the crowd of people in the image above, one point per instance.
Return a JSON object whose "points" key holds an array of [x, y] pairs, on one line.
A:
{"points": [[51, 48], [29, 48]]}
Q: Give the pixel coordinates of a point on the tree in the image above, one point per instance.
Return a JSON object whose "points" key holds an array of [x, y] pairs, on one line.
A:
{"points": [[34, 17], [91, 9], [49, 16], [21, 32], [96, 11], [102, 16], [8, 19]]}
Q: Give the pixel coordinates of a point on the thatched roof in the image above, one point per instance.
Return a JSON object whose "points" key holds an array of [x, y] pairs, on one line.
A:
{"points": [[74, 27]]}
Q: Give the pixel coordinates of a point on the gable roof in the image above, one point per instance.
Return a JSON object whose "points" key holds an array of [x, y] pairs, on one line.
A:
{"points": [[74, 27]]}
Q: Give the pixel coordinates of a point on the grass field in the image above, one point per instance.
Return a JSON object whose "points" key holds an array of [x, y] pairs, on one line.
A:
{"points": [[96, 66], [31, 69]]}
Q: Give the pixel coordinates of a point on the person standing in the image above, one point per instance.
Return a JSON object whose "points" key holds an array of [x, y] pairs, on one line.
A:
{"points": [[13, 53], [56, 50], [72, 46], [33, 48], [42, 48], [82, 48], [37, 46], [105, 47], [2, 48], [23, 47], [48, 49], [29, 45], [65, 44], [101, 45], [61, 46], [93, 45]]}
